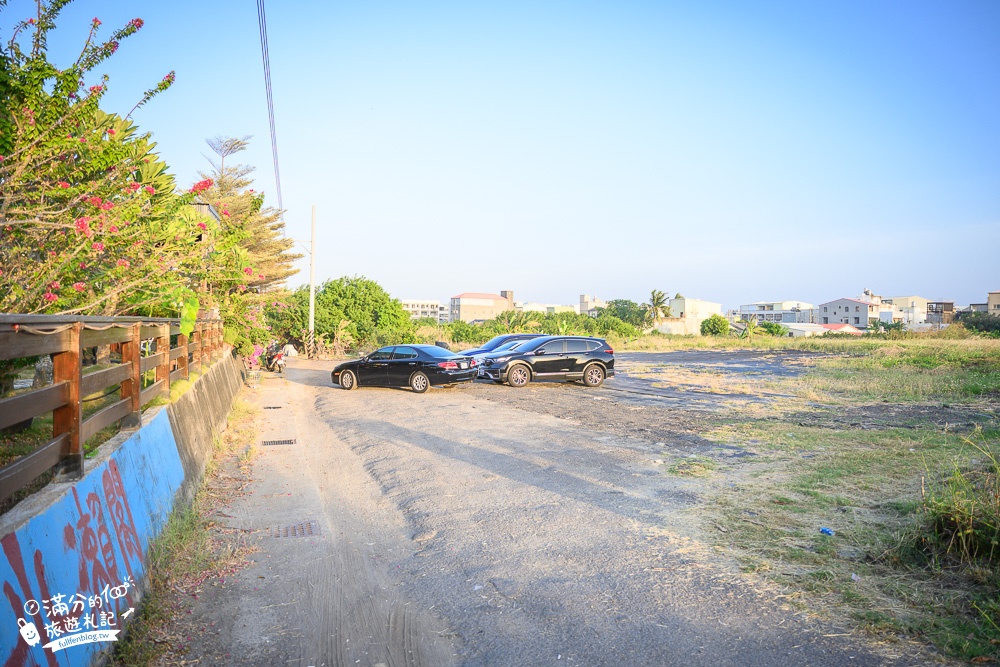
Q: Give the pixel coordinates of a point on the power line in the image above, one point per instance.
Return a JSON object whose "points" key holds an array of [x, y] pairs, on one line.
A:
{"points": [[262, 23]]}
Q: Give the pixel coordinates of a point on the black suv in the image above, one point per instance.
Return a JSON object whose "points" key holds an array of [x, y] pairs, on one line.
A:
{"points": [[553, 358]]}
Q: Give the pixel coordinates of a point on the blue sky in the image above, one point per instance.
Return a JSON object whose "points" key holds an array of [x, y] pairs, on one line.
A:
{"points": [[730, 151]]}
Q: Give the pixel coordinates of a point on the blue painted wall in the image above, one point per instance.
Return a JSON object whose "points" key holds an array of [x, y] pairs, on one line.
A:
{"points": [[81, 558]]}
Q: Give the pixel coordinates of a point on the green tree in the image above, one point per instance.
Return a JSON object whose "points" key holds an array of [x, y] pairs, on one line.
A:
{"points": [[251, 256], [658, 307], [627, 311], [774, 329], [374, 318], [715, 325]]}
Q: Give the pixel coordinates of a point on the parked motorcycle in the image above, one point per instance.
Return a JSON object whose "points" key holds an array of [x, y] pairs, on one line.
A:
{"points": [[275, 360]]}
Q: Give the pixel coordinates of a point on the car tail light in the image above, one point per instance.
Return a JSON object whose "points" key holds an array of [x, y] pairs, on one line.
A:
{"points": [[472, 363], [449, 365], [609, 351]]}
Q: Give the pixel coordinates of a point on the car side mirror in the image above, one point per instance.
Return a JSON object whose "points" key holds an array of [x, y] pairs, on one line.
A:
{"points": [[539, 352]]}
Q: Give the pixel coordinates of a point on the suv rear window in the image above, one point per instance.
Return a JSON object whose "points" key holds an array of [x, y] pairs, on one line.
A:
{"points": [[577, 345]]}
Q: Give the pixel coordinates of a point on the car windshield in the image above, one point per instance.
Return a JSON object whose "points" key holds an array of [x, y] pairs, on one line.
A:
{"points": [[509, 345], [437, 352], [493, 343]]}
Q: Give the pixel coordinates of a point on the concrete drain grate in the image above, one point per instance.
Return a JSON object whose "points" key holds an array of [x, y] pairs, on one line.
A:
{"points": [[303, 529], [273, 443]]}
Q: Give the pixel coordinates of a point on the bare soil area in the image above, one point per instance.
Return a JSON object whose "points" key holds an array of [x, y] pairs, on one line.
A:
{"points": [[485, 525]]}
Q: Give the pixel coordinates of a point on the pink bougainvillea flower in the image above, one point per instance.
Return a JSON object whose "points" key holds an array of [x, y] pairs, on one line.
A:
{"points": [[83, 227], [52, 253], [50, 297], [83, 265], [138, 23], [202, 226], [150, 189], [260, 276], [113, 229], [79, 287], [54, 285], [124, 263], [201, 186], [63, 184], [107, 206], [225, 213], [111, 131], [133, 186], [248, 271], [96, 22], [99, 247], [94, 201]]}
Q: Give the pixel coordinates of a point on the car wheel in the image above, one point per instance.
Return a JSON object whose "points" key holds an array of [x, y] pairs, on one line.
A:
{"points": [[518, 376], [347, 380], [593, 375], [419, 382]]}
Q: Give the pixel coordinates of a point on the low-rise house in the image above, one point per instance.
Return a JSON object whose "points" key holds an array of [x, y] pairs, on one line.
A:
{"points": [[473, 306], [861, 314], [804, 329], [940, 312], [777, 311], [993, 303], [589, 305], [687, 316]]}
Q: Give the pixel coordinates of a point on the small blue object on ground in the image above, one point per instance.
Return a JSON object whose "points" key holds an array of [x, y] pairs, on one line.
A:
{"points": [[826, 531]]}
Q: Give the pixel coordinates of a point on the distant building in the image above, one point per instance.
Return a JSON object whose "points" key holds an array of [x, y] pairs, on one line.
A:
{"points": [[687, 316], [777, 311], [547, 308], [848, 311], [993, 303], [425, 308], [472, 306], [940, 312], [912, 309], [803, 329], [589, 305]]}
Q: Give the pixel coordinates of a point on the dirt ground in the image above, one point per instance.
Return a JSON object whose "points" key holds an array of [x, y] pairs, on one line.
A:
{"points": [[485, 525]]}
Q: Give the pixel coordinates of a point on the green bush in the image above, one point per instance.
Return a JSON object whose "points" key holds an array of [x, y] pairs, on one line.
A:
{"points": [[716, 325]]}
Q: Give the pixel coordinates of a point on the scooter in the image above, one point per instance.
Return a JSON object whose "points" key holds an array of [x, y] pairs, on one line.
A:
{"points": [[276, 362]]}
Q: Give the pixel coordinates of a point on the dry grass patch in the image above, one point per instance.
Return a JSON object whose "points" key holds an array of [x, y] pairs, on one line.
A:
{"points": [[193, 549]]}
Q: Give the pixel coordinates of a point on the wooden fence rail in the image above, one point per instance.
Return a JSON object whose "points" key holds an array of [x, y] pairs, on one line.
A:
{"points": [[145, 348]]}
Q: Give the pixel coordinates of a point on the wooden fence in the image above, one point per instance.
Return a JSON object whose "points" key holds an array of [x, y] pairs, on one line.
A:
{"points": [[145, 347]]}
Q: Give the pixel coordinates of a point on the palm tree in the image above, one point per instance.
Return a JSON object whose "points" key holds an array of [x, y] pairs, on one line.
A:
{"points": [[657, 308]]}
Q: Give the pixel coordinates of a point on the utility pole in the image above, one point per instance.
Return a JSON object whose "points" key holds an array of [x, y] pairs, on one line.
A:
{"points": [[312, 287]]}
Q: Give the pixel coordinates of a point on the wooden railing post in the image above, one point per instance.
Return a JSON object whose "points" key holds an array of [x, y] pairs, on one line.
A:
{"points": [[196, 345], [66, 367], [132, 388], [182, 361], [216, 341], [163, 368]]}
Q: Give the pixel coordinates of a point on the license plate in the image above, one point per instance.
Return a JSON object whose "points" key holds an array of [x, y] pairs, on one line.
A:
{"points": [[463, 365]]}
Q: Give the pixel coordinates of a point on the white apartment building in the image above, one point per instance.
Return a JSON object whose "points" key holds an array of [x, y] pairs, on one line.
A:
{"points": [[849, 311], [418, 308], [777, 311]]}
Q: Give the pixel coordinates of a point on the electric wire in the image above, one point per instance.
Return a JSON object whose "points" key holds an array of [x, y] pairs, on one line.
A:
{"points": [[262, 24]]}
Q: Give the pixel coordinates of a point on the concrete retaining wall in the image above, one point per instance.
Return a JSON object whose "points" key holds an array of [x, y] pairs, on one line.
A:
{"points": [[73, 559]]}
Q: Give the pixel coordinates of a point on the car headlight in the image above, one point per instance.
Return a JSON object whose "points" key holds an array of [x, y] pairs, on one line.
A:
{"points": [[501, 360]]}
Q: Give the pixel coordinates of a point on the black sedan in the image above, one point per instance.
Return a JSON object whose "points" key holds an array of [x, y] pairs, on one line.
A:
{"points": [[415, 366], [564, 358]]}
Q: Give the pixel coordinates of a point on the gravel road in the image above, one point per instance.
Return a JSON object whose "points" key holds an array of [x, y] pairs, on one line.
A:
{"points": [[485, 525]]}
